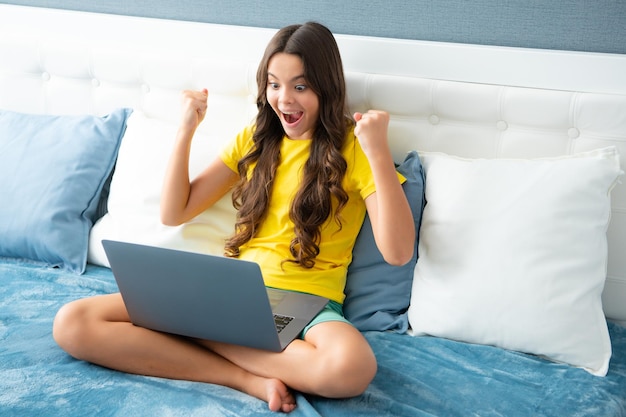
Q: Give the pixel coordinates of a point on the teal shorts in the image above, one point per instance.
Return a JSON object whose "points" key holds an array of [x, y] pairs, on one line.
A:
{"points": [[332, 312]]}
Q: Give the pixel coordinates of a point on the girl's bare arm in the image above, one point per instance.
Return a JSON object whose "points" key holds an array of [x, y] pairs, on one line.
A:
{"points": [[182, 199], [388, 208]]}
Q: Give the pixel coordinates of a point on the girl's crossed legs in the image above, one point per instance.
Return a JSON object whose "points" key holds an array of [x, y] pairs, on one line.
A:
{"points": [[333, 360]]}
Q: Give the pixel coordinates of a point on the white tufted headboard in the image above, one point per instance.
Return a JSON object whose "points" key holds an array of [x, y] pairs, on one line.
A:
{"points": [[465, 100]]}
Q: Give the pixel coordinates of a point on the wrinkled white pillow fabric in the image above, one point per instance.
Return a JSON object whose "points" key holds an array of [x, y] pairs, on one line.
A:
{"points": [[513, 253], [133, 205]]}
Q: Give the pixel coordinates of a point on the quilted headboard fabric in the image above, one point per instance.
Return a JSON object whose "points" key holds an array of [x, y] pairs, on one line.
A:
{"points": [[464, 100]]}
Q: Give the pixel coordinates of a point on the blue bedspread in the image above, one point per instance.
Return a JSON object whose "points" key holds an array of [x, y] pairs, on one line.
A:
{"points": [[417, 376]]}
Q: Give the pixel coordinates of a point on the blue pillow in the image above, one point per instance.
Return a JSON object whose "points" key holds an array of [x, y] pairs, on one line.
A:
{"points": [[378, 294], [52, 171]]}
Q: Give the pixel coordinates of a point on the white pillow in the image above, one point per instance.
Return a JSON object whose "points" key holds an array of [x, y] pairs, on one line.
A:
{"points": [[513, 253], [133, 204]]}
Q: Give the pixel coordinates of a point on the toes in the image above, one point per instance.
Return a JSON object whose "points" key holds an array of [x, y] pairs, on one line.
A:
{"points": [[279, 398]]}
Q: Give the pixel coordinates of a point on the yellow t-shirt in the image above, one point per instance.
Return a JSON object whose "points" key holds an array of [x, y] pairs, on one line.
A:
{"points": [[270, 246]]}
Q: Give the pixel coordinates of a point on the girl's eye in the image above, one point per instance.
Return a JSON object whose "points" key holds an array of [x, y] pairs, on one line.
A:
{"points": [[300, 87], [273, 86]]}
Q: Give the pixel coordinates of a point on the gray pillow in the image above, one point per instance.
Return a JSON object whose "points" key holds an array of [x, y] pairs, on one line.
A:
{"points": [[378, 294]]}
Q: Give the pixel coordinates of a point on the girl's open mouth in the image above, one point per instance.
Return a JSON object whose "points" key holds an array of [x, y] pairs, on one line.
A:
{"points": [[292, 117]]}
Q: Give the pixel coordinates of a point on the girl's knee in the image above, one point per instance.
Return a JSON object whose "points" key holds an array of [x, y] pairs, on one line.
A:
{"points": [[346, 363], [359, 371], [348, 373], [78, 325], [69, 328]]}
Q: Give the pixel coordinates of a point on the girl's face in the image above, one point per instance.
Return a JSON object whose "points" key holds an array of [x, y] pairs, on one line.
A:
{"points": [[295, 104]]}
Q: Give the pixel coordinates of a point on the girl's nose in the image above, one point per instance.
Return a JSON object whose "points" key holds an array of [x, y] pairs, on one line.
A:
{"points": [[285, 96]]}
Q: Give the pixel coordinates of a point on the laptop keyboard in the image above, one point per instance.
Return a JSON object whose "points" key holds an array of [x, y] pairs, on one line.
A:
{"points": [[281, 321]]}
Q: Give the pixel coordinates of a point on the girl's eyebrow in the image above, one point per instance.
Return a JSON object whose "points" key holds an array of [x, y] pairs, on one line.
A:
{"points": [[296, 78]]}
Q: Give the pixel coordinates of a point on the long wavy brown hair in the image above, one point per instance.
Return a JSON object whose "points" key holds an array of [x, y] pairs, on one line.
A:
{"points": [[325, 167]]}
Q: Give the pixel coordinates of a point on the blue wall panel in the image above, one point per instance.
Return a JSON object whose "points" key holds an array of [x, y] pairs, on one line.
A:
{"points": [[579, 25]]}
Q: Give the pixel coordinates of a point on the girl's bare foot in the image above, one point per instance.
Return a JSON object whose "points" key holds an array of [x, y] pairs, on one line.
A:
{"points": [[279, 397], [272, 390]]}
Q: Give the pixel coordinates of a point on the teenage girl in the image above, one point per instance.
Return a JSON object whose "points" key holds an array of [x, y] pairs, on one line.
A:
{"points": [[302, 177]]}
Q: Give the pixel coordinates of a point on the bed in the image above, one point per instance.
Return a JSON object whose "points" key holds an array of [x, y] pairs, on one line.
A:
{"points": [[515, 301]]}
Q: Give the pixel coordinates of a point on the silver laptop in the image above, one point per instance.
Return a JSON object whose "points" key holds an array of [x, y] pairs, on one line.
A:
{"points": [[207, 297]]}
